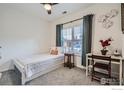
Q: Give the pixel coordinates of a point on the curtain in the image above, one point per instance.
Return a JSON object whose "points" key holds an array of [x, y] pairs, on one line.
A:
{"points": [[87, 37], [58, 35]]}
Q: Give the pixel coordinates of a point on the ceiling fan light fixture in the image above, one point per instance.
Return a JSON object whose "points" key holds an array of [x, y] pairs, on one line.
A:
{"points": [[48, 7]]}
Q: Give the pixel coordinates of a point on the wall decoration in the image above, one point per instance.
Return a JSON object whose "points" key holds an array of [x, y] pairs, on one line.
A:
{"points": [[102, 18], [106, 18], [107, 24], [113, 13]]}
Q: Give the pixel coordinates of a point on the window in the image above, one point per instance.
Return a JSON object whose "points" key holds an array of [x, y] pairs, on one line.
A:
{"points": [[77, 40], [72, 39]]}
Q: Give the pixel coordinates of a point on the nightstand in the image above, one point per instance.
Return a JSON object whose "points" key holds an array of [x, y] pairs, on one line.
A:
{"points": [[69, 60]]}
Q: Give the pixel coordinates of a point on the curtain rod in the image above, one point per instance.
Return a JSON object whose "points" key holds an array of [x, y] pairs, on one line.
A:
{"points": [[75, 20], [72, 21]]}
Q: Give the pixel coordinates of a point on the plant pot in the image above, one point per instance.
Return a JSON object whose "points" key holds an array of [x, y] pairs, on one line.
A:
{"points": [[104, 52]]}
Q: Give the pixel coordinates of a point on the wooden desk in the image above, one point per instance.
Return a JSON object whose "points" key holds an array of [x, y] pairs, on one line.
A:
{"points": [[69, 62], [114, 60]]}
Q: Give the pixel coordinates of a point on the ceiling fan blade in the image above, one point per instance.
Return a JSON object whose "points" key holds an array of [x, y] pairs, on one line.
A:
{"points": [[49, 3], [54, 3]]}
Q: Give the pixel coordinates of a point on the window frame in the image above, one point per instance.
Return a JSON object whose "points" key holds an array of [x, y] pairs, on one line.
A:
{"points": [[73, 38]]}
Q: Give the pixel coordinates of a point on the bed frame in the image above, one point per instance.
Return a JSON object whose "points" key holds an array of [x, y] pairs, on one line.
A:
{"points": [[25, 79]]}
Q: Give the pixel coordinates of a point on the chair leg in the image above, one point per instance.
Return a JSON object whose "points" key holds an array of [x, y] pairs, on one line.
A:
{"points": [[92, 75], [110, 73], [92, 78]]}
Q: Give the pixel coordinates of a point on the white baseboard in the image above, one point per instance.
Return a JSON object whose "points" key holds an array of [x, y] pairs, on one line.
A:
{"points": [[80, 66]]}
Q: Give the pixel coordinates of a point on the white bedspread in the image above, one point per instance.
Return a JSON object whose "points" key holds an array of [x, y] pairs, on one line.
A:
{"points": [[36, 63]]}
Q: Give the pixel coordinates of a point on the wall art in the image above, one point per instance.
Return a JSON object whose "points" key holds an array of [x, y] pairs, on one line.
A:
{"points": [[106, 19]]}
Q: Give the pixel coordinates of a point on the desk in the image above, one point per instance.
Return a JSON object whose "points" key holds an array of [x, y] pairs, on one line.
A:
{"points": [[114, 60]]}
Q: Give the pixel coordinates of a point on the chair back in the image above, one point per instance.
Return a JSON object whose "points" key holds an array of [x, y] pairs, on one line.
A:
{"points": [[106, 58]]}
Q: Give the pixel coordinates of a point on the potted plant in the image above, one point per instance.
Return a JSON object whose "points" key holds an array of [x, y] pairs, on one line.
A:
{"points": [[104, 44]]}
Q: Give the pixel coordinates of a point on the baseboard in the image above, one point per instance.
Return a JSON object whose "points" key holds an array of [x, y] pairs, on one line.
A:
{"points": [[80, 66]]}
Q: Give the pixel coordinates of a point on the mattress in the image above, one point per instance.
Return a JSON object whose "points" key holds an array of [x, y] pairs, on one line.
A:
{"points": [[37, 63]]}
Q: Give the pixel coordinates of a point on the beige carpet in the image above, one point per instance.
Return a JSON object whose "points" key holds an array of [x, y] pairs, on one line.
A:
{"points": [[64, 76], [60, 76]]}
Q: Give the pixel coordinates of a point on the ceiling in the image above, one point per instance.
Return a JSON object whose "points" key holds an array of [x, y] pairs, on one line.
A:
{"points": [[38, 9]]}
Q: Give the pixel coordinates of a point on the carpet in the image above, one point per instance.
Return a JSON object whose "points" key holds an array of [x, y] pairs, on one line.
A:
{"points": [[60, 76]]}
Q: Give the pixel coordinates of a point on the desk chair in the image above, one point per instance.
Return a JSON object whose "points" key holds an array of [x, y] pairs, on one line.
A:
{"points": [[97, 75]]}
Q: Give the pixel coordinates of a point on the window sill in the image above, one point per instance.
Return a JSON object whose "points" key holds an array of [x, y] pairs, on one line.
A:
{"points": [[76, 54]]}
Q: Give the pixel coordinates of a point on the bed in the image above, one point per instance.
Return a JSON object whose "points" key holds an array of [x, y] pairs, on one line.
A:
{"points": [[36, 65]]}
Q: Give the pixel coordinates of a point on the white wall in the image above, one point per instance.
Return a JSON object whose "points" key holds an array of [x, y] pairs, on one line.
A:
{"points": [[98, 31], [21, 34]]}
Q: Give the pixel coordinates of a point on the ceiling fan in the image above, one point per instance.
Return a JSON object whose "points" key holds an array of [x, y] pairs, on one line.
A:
{"points": [[48, 6]]}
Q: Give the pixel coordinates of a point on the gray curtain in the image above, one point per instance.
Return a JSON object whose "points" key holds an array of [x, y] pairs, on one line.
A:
{"points": [[58, 35], [87, 37]]}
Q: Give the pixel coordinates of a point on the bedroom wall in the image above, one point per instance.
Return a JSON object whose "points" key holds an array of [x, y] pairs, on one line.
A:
{"points": [[21, 33], [98, 31]]}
